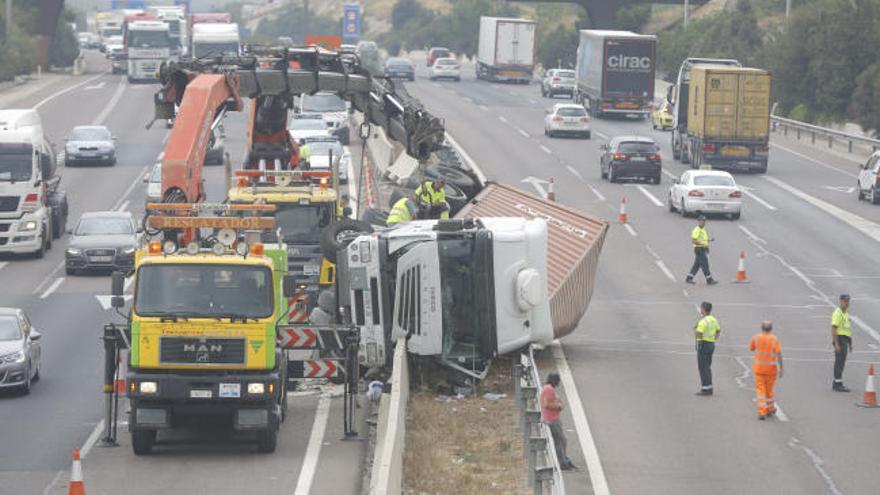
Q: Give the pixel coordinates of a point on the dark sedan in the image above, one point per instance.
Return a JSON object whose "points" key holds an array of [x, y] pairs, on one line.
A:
{"points": [[400, 68], [19, 351], [631, 157], [104, 240], [90, 144]]}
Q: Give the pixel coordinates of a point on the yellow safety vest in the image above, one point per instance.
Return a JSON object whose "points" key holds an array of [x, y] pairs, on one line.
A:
{"points": [[403, 211], [700, 236], [708, 328], [840, 319], [305, 153], [426, 193]]}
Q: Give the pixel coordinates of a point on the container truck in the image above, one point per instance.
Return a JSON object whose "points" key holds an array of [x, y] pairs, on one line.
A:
{"points": [[175, 17], [677, 96], [215, 39], [506, 49], [728, 118], [615, 72], [511, 269], [207, 18], [147, 46]]}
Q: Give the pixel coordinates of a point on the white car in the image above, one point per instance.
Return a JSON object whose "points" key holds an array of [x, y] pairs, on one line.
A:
{"points": [[302, 128], [447, 68], [567, 118], [869, 179], [322, 148], [706, 192]]}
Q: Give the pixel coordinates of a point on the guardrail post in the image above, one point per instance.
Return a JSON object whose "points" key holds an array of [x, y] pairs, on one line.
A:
{"points": [[535, 445], [542, 475], [799, 133], [813, 139], [785, 130], [531, 417], [850, 145], [830, 142]]}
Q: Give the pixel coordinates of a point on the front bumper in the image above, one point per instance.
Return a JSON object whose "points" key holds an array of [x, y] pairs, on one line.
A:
{"points": [[84, 261], [713, 206], [204, 395], [13, 375], [15, 240], [100, 159]]}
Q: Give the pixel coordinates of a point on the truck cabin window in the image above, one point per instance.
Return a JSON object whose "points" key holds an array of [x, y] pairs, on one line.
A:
{"points": [[148, 39], [302, 223], [16, 167], [202, 49], [457, 286]]}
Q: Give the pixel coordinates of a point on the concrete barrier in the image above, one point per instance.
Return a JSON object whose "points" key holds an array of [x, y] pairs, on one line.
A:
{"points": [[387, 475]]}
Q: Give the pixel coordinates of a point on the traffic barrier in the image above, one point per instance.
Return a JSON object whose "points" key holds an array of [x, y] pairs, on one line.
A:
{"points": [[387, 472], [622, 216], [551, 194], [741, 269], [870, 397], [121, 371], [76, 486]]}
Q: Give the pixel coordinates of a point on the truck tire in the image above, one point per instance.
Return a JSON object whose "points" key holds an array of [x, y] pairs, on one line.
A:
{"points": [[44, 245], [267, 440], [335, 235], [456, 198], [676, 152], [142, 441], [456, 177]]}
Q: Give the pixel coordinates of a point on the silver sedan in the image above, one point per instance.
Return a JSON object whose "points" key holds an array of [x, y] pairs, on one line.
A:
{"points": [[19, 351]]}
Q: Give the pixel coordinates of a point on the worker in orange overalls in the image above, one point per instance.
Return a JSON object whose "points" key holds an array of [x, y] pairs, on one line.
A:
{"points": [[766, 367]]}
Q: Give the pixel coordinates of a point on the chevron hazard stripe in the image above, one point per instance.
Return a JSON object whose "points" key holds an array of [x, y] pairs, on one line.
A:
{"points": [[290, 337], [312, 368]]}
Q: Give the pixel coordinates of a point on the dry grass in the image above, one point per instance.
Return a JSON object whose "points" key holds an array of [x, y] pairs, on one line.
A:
{"points": [[469, 446]]}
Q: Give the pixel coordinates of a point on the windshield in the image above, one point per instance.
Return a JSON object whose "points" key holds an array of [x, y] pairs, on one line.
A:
{"points": [[325, 147], [300, 223], [110, 32], [9, 328], [399, 63], [636, 147], [90, 134], [15, 167], [148, 39], [457, 290], [564, 74], [202, 49], [322, 103], [713, 180], [104, 226], [307, 125], [440, 53], [204, 290], [571, 112]]}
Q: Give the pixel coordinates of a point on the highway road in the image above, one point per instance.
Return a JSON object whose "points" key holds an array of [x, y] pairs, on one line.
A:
{"points": [[806, 238], [40, 431]]}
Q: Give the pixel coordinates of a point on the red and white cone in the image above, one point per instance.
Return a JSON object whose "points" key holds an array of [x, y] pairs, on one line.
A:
{"points": [[870, 397], [622, 216], [551, 194], [741, 269], [76, 487], [121, 371]]}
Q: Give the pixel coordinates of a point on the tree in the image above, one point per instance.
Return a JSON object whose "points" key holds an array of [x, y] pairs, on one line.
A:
{"points": [[866, 98], [558, 47], [405, 11]]}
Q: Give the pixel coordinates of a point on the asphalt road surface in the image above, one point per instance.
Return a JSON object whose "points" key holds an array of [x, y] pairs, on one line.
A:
{"points": [[806, 238]]}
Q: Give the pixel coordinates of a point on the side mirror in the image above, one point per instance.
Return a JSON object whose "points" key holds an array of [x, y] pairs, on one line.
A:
{"points": [[117, 286], [35, 335], [140, 230], [290, 286], [676, 181], [670, 95]]}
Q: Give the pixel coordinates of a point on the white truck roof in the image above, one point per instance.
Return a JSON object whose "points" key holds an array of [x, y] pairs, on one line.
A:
{"points": [[215, 30], [14, 119], [147, 26]]}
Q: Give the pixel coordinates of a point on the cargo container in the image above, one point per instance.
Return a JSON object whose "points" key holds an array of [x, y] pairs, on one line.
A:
{"points": [[615, 72], [506, 50]]}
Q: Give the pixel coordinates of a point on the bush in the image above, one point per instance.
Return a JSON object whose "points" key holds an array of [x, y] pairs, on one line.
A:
{"points": [[633, 18], [557, 48], [801, 113], [65, 47]]}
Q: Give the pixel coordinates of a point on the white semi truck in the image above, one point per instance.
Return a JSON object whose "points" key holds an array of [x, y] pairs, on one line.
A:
{"points": [[147, 46], [175, 17], [214, 39], [506, 50]]}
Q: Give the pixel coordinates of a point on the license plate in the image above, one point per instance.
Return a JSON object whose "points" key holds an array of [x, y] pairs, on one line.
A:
{"points": [[100, 259], [628, 106], [200, 394], [638, 159], [230, 390], [735, 151], [311, 270], [716, 205], [572, 123]]}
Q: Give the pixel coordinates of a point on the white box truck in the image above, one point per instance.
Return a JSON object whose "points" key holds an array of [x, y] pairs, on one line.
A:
{"points": [[215, 39], [506, 50]]}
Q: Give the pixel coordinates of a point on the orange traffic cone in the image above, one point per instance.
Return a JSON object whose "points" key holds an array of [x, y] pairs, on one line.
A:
{"points": [[622, 216], [741, 269], [870, 398], [551, 194], [76, 476], [121, 369]]}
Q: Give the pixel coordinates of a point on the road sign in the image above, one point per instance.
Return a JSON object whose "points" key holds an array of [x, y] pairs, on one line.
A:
{"points": [[295, 337], [128, 4], [312, 368], [351, 21], [328, 42]]}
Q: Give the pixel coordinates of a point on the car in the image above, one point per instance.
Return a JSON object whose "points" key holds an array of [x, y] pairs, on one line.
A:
{"points": [[662, 117], [321, 148], [704, 192], [87, 40], [102, 240], [631, 157], [437, 52], [558, 82], [20, 351], [333, 109], [445, 68], [567, 118], [90, 144], [869, 179], [401, 68], [153, 180], [302, 128]]}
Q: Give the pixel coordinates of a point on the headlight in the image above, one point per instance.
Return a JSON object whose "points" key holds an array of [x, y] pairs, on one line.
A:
{"points": [[74, 251], [256, 388], [15, 357], [148, 387], [28, 226], [128, 251]]}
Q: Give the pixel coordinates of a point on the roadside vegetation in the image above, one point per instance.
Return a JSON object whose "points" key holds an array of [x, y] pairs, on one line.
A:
{"points": [[18, 46]]}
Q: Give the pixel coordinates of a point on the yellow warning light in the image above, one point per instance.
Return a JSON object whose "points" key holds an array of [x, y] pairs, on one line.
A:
{"points": [[257, 249], [324, 184], [154, 248]]}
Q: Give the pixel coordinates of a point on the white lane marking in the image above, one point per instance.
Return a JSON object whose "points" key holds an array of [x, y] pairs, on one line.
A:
{"points": [[67, 90], [759, 200], [811, 159], [512, 93], [95, 86], [137, 180], [648, 195], [581, 425], [52, 288], [864, 326], [3, 264], [630, 229], [669, 174], [751, 235], [124, 206], [861, 224], [111, 104], [48, 278], [503, 119], [165, 139], [575, 173], [665, 270], [597, 193], [601, 135], [840, 189], [780, 414], [436, 85], [484, 108], [522, 132], [160, 156], [536, 183], [51, 488], [313, 451], [818, 463], [546, 150], [91, 440], [467, 158]]}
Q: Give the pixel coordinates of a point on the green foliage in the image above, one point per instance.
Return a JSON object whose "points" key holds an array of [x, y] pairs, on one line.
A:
{"points": [[557, 48], [801, 113], [866, 100], [633, 18], [290, 23], [16, 54], [65, 47]]}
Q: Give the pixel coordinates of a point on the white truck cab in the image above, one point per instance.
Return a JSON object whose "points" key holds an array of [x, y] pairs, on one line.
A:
{"points": [[27, 162], [215, 39], [148, 45]]}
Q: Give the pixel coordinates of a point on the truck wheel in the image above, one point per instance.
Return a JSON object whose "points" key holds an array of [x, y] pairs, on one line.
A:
{"points": [[456, 177], [337, 235], [860, 192], [875, 196], [41, 252], [676, 153], [142, 441], [267, 440]]}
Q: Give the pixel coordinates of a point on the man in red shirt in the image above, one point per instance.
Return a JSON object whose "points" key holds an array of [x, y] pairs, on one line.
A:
{"points": [[766, 367], [550, 408]]}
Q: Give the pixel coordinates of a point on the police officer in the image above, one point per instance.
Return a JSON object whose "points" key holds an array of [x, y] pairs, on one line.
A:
{"points": [[305, 154], [700, 240], [404, 210], [841, 338], [431, 195], [706, 332]]}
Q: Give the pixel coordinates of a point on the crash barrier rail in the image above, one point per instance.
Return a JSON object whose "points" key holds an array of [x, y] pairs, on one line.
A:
{"points": [[376, 148], [852, 142], [387, 476], [545, 474]]}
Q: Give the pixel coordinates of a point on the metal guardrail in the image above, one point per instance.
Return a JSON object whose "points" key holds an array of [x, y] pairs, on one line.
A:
{"points": [[545, 474], [387, 476], [814, 132]]}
